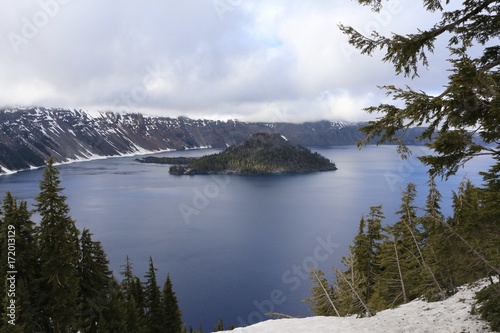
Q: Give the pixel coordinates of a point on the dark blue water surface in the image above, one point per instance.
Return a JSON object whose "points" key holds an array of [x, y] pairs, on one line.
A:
{"points": [[236, 247]]}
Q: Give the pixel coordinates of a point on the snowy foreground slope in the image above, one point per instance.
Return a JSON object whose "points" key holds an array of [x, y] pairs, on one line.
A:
{"points": [[449, 316]]}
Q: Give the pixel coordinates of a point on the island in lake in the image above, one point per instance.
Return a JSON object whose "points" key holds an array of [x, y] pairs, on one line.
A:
{"points": [[260, 154]]}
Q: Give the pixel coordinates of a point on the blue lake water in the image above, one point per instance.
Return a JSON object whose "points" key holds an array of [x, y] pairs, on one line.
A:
{"points": [[236, 247]]}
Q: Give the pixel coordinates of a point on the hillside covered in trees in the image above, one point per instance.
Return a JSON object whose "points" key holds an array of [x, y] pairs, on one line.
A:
{"points": [[423, 253], [58, 278], [261, 153]]}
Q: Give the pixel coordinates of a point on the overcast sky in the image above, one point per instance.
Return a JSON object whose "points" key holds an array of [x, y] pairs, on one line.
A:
{"points": [[271, 60]]}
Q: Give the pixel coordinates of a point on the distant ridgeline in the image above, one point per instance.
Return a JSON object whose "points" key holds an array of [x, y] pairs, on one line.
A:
{"points": [[261, 153], [28, 136]]}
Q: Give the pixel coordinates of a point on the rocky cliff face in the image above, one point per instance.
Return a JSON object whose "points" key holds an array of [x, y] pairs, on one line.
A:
{"points": [[29, 135]]}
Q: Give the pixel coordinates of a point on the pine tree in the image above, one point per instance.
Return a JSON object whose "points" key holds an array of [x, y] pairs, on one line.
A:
{"points": [[354, 286], [405, 272], [219, 327], [349, 288], [490, 215], [322, 298], [390, 287], [134, 322], [95, 280], [438, 242], [419, 274], [132, 294], [488, 305], [489, 299], [113, 316], [128, 278], [155, 319], [59, 254], [366, 248], [173, 315], [468, 234]]}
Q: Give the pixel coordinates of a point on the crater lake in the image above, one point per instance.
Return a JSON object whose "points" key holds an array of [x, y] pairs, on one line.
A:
{"points": [[236, 247]]}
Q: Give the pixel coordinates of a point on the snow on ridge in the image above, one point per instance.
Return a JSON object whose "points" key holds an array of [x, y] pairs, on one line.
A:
{"points": [[95, 157], [7, 171], [449, 316], [90, 157]]}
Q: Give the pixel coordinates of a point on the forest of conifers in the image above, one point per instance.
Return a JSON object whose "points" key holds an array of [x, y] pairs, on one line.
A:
{"points": [[58, 278], [422, 254]]}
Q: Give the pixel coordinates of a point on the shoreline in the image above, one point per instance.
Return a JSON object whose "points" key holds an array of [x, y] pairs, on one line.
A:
{"points": [[139, 152]]}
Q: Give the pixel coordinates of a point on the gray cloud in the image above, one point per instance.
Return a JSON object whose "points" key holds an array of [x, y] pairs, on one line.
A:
{"points": [[253, 60]]}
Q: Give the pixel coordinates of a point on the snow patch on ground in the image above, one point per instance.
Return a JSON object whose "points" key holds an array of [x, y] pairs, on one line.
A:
{"points": [[5, 171], [89, 157], [449, 316]]}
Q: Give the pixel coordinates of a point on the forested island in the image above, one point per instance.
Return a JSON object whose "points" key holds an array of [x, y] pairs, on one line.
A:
{"points": [[260, 154]]}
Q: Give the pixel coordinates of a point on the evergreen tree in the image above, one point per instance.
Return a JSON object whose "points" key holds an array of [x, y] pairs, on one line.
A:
{"points": [[366, 248], [128, 278], [172, 313], [409, 238], [140, 299], [490, 216], [95, 280], [489, 299], [113, 316], [155, 319], [322, 295], [219, 327], [468, 235], [488, 305], [134, 322], [390, 287], [59, 254], [132, 294], [349, 289], [466, 210], [405, 272], [438, 241], [420, 278]]}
